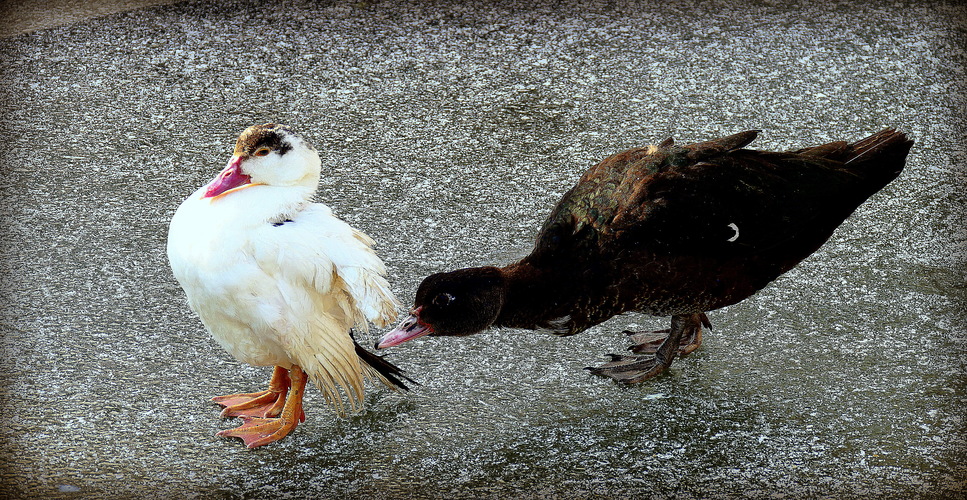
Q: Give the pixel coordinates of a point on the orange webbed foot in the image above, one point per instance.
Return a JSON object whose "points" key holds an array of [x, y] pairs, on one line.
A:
{"points": [[264, 404], [256, 431], [256, 409]]}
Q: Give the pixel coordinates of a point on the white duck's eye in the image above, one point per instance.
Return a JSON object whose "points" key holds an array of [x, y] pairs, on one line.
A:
{"points": [[261, 151], [443, 299]]}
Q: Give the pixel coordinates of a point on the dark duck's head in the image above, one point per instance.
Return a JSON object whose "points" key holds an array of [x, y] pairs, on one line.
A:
{"points": [[461, 302]]}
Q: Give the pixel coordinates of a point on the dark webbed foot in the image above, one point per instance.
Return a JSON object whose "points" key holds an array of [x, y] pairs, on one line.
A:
{"points": [[683, 337], [630, 369], [649, 342]]}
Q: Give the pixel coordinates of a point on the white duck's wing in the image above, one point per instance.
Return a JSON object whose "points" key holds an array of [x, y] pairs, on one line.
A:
{"points": [[358, 271], [320, 249], [331, 281]]}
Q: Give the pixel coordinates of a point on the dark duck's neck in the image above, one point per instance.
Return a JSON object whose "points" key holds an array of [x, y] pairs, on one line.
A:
{"points": [[538, 297]]}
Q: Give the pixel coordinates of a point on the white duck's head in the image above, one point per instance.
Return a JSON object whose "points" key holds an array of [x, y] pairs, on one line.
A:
{"points": [[268, 155]]}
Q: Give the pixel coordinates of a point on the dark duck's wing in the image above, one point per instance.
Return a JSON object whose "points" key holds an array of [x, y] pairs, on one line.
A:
{"points": [[715, 199], [678, 231]]}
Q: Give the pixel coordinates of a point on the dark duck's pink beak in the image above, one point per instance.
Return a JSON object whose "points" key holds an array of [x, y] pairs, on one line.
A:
{"points": [[409, 329]]}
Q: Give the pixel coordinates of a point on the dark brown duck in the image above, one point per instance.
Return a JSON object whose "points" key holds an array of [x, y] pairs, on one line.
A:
{"points": [[664, 230]]}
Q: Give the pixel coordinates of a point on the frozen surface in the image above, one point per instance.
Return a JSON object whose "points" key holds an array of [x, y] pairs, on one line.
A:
{"points": [[449, 130]]}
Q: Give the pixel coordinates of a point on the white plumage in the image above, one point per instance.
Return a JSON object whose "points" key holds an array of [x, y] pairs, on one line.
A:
{"points": [[278, 280]]}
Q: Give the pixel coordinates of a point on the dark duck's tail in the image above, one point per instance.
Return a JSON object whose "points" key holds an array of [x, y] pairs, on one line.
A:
{"points": [[878, 158], [835, 178]]}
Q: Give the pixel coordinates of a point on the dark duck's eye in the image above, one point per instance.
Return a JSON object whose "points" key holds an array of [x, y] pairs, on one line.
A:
{"points": [[443, 300], [261, 151]]}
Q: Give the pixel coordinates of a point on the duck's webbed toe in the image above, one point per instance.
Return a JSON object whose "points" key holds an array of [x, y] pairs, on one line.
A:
{"points": [[656, 350], [649, 342], [646, 342], [630, 369]]}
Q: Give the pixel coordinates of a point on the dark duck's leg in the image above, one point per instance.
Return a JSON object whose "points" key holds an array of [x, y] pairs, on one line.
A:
{"points": [[648, 342], [684, 336]]}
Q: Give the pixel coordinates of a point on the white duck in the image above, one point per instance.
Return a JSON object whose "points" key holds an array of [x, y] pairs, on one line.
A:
{"points": [[280, 281]]}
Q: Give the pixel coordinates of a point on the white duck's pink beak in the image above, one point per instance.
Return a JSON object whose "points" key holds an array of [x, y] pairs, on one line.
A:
{"points": [[229, 178], [409, 329]]}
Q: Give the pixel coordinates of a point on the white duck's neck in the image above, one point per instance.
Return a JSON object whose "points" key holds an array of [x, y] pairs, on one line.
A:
{"points": [[257, 204]]}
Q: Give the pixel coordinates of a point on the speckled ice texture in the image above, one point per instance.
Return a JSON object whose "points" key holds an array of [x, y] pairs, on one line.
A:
{"points": [[447, 131]]}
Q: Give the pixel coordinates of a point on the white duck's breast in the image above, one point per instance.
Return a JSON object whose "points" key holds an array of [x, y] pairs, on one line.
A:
{"points": [[237, 302]]}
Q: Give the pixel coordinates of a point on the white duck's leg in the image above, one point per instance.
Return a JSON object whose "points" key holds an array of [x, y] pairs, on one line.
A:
{"points": [[258, 431], [267, 403]]}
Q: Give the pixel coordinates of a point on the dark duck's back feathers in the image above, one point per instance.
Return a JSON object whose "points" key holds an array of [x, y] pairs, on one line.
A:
{"points": [[665, 230]]}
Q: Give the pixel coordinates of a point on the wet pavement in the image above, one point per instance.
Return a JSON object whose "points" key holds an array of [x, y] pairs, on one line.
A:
{"points": [[447, 132]]}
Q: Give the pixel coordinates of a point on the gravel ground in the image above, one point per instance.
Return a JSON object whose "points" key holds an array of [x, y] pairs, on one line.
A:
{"points": [[448, 130], [27, 16]]}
